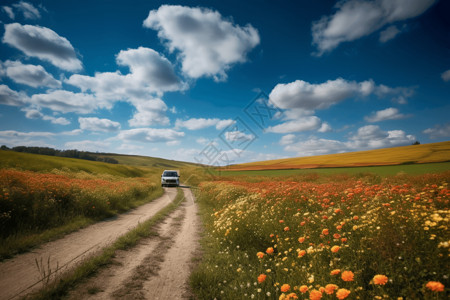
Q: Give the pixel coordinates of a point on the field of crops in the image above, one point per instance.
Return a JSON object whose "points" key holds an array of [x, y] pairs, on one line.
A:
{"points": [[325, 237]]}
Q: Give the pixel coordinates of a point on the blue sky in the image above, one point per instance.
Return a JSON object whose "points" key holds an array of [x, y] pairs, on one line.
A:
{"points": [[222, 82]]}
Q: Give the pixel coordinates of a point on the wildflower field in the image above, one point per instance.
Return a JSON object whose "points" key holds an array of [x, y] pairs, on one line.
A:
{"points": [[31, 202], [325, 237]]}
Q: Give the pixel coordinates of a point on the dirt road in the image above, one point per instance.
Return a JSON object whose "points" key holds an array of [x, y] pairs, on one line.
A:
{"points": [[19, 276], [158, 268]]}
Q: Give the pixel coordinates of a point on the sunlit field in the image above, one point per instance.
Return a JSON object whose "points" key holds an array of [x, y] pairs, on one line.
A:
{"points": [[325, 237]]}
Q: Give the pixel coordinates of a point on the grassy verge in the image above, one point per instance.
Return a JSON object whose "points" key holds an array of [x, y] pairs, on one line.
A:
{"points": [[58, 289], [39, 207]]}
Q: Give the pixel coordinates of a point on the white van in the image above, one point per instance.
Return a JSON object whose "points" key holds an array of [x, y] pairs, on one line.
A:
{"points": [[170, 177]]}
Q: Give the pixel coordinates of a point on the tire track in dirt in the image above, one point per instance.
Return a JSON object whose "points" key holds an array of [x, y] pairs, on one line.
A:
{"points": [[157, 268], [20, 276]]}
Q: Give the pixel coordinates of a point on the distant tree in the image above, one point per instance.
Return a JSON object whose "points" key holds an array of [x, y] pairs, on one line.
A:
{"points": [[416, 143], [3, 147]]}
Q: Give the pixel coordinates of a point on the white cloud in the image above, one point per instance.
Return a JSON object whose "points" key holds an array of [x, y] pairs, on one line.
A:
{"points": [[208, 44], [66, 101], [32, 113], [287, 139], [12, 138], [438, 131], [43, 43], [357, 18], [9, 11], [200, 123], [234, 136], [372, 137], [308, 96], [150, 74], [316, 146], [325, 127], [11, 97], [28, 10], [366, 138], [87, 145], [389, 33], [31, 75], [299, 125], [150, 135], [390, 113], [446, 76], [149, 112], [96, 124]]}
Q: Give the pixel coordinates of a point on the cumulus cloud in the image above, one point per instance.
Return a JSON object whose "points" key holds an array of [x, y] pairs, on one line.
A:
{"points": [[298, 125], [200, 123], [43, 43], [446, 76], [208, 44], [96, 124], [287, 139], [11, 97], [149, 112], [33, 113], [31, 75], [150, 135], [28, 10], [235, 136], [66, 101], [357, 18], [390, 113], [438, 131], [366, 138], [309, 96], [150, 74]]}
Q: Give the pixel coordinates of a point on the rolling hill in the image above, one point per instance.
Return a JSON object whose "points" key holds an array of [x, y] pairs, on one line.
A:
{"points": [[414, 154]]}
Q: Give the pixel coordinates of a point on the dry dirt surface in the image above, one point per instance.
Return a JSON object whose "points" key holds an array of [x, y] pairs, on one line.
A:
{"points": [[157, 268], [20, 275]]}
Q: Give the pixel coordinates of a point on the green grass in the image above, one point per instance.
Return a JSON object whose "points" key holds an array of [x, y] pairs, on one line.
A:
{"points": [[58, 289], [413, 169], [43, 163]]}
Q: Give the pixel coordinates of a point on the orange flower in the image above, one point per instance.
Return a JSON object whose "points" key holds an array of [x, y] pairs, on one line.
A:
{"points": [[269, 250], [286, 228], [347, 276], [336, 235], [291, 296], [285, 287], [435, 286], [335, 249], [343, 240], [329, 288], [325, 231], [281, 221], [335, 272], [302, 223], [303, 289], [380, 279], [342, 293], [301, 253], [315, 295], [260, 254], [301, 239], [355, 218], [339, 227], [262, 278]]}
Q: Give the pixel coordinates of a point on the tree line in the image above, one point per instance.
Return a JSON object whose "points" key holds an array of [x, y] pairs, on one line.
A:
{"points": [[62, 153]]}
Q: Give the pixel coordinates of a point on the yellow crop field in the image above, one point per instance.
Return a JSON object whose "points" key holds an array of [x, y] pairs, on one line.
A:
{"points": [[426, 153]]}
